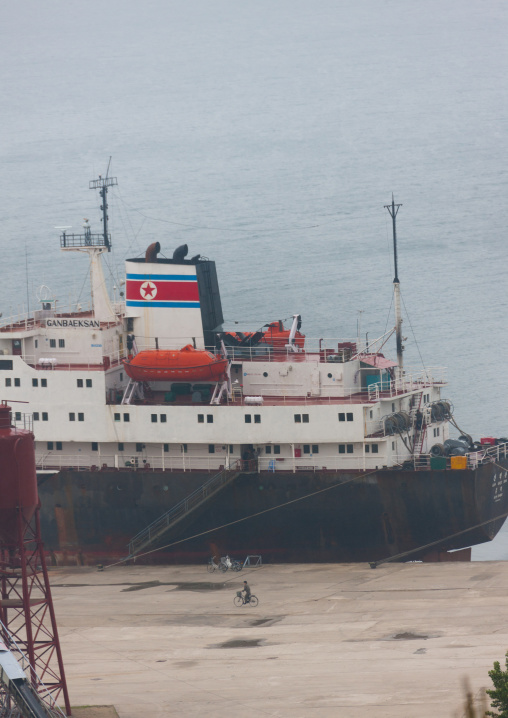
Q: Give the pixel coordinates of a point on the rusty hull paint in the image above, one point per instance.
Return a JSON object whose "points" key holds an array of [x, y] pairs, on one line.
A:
{"points": [[90, 516]]}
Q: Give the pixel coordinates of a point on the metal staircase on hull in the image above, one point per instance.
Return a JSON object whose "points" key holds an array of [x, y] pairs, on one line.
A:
{"points": [[154, 531]]}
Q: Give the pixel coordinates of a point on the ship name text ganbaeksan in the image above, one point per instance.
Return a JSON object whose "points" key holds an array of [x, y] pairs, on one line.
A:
{"points": [[73, 323]]}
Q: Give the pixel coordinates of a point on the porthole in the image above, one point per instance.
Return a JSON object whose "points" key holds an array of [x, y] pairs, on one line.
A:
{"points": [[265, 374], [329, 375]]}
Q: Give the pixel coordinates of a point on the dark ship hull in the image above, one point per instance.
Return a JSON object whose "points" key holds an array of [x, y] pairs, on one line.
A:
{"points": [[89, 517]]}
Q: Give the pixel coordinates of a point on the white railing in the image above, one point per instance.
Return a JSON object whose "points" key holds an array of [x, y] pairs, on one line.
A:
{"points": [[54, 360], [412, 380], [183, 462], [27, 319]]}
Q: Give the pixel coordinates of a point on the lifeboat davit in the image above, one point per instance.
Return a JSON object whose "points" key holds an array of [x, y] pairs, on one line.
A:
{"points": [[277, 336], [182, 365]]}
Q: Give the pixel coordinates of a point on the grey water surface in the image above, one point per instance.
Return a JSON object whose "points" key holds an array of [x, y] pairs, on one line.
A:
{"points": [[268, 136]]}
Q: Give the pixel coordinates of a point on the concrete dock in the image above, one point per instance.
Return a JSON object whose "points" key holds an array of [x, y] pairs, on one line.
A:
{"points": [[325, 640]]}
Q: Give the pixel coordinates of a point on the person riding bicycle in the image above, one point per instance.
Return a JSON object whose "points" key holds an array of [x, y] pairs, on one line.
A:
{"points": [[246, 591]]}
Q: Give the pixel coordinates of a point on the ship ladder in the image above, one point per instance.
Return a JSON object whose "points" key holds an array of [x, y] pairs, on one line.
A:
{"points": [[154, 531], [419, 434]]}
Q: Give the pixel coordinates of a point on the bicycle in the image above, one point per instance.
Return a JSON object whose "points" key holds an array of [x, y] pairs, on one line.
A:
{"points": [[230, 563], [239, 600], [212, 566]]}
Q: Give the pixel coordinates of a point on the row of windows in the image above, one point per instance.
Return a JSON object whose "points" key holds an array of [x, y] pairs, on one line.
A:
{"points": [[52, 343], [58, 446], [299, 418], [44, 382], [275, 448]]}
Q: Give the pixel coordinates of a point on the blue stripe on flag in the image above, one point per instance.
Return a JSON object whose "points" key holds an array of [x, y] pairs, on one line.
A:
{"points": [[148, 303], [164, 277]]}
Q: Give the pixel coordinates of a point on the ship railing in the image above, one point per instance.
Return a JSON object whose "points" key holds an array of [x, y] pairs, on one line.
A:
{"points": [[190, 502], [97, 461], [56, 360], [409, 382], [489, 454], [25, 319], [22, 420]]}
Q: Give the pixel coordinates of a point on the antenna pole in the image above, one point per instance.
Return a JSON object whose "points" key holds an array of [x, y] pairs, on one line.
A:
{"points": [[393, 209], [102, 185]]}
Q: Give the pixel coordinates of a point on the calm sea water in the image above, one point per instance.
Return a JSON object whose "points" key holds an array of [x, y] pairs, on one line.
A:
{"points": [[268, 136]]}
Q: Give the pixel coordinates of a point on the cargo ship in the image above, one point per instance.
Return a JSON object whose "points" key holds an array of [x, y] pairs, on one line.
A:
{"points": [[162, 436]]}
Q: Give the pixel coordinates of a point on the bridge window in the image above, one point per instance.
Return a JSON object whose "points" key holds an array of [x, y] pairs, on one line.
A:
{"points": [[5, 364], [345, 448]]}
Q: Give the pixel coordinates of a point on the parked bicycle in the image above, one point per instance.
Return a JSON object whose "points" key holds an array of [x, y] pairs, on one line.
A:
{"points": [[239, 600], [212, 566], [231, 563], [223, 565]]}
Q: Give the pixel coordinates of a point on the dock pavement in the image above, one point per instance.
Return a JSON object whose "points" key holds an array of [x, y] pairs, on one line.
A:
{"points": [[325, 640]]}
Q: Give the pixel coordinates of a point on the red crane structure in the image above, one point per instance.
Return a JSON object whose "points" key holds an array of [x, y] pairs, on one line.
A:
{"points": [[26, 606]]}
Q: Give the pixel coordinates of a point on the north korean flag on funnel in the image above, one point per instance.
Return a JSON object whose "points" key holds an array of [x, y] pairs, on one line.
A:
{"points": [[162, 290]]}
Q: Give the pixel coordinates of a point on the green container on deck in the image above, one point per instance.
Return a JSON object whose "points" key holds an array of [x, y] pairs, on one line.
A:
{"points": [[438, 463]]}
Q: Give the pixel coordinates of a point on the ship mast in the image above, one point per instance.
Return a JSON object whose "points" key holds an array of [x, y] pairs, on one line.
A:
{"points": [[393, 209], [95, 245], [102, 184]]}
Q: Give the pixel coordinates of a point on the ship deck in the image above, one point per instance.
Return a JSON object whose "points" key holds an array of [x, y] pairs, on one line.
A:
{"points": [[325, 640]]}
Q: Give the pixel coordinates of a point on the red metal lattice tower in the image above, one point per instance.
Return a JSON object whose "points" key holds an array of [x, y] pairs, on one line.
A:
{"points": [[26, 606]]}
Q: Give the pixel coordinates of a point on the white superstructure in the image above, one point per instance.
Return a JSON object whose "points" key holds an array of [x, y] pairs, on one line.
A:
{"points": [[327, 406]]}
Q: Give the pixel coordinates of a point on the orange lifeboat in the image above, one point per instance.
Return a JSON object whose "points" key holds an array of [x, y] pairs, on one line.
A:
{"points": [[166, 365], [278, 337]]}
